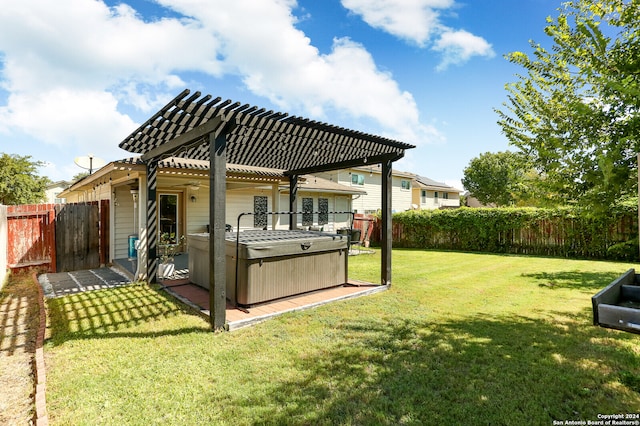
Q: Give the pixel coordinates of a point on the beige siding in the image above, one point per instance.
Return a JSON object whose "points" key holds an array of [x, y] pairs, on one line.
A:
{"points": [[241, 201], [124, 222], [372, 200], [401, 197], [431, 202], [337, 203], [197, 211]]}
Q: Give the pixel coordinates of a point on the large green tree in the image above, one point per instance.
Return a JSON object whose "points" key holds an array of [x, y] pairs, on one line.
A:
{"points": [[496, 178], [574, 111], [19, 180]]}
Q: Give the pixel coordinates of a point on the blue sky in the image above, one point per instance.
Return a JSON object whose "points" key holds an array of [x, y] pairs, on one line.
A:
{"points": [[77, 76]]}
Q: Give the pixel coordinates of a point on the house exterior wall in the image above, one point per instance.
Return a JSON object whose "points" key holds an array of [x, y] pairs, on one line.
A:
{"points": [[336, 203], [51, 193], [122, 207], [195, 212], [371, 202], [429, 201]]}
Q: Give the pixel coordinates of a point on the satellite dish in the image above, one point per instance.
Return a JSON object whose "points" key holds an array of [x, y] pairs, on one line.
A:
{"points": [[89, 162]]}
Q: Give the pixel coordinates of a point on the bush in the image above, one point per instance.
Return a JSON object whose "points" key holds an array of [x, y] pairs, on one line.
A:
{"points": [[565, 232]]}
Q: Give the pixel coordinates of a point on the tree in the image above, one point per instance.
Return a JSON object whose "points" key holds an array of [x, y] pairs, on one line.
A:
{"points": [[574, 113], [497, 178], [19, 181], [79, 176]]}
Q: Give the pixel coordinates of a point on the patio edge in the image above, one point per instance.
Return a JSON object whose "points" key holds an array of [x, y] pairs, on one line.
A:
{"points": [[235, 325]]}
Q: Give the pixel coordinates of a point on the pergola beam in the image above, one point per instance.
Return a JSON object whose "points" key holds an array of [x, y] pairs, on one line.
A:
{"points": [[387, 234], [169, 148], [365, 161]]}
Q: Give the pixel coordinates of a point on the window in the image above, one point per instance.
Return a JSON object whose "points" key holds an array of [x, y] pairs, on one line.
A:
{"points": [[406, 184], [307, 211], [260, 211], [445, 195], [357, 179], [323, 208], [168, 216], [423, 196], [435, 194]]}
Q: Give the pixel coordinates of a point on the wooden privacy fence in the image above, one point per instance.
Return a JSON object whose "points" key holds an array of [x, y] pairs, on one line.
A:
{"points": [[555, 233], [58, 237]]}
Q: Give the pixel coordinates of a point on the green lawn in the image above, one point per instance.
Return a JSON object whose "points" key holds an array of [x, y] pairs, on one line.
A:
{"points": [[458, 339]]}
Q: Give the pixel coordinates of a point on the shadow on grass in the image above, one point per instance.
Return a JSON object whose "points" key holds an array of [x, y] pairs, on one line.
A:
{"points": [[478, 370], [111, 312], [19, 315], [588, 281]]}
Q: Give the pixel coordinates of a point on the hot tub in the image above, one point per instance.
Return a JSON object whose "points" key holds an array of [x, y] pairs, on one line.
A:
{"points": [[273, 264]]}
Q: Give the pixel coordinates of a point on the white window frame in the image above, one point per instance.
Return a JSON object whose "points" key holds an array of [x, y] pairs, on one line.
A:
{"points": [[358, 178]]}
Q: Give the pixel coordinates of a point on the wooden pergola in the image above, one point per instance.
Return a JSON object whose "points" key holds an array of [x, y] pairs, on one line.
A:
{"points": [[206, 128]]}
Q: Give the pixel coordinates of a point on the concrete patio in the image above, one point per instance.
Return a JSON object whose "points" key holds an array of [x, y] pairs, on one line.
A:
{"points": [[179, 286]]}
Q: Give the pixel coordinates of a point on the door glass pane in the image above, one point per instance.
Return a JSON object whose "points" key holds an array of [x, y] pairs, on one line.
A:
{"points": [[168, 220], [307, 211], [323, 208], [260, 211]]}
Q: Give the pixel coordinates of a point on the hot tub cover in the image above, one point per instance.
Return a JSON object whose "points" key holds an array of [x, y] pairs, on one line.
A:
{"points": [[273, 243]]}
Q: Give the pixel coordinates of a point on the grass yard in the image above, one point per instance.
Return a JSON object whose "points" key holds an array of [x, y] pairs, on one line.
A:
{"points": [[458, 339]]}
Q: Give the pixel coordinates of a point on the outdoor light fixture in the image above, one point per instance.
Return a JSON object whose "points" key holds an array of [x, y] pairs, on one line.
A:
{"points": [[193, 199]]}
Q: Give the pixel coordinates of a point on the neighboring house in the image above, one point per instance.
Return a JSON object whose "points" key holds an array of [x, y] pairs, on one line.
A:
{"points": [[409, 191], [53, 190], [427, 194], [471, 201], [369, 179], [183, 199]]}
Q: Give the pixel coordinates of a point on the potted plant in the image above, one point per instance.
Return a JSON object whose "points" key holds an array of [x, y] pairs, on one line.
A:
{"points": [[168, 247]]}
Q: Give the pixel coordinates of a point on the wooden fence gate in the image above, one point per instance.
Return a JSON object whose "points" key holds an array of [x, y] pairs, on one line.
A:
{"points": [[58, 237], [31, 236]]}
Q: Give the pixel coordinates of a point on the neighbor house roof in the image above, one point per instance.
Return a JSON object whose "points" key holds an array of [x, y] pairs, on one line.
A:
{"points": [[309, 183], [426, 183]]}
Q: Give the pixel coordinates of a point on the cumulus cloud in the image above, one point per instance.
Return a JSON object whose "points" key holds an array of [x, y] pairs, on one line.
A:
{"points": [[71, 68], [414, 20], [459, 46], [419, 21], [278, 61]]}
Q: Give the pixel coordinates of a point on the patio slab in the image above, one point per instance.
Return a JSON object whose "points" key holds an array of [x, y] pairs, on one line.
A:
{"points": [[66, 283], [198, 298]]}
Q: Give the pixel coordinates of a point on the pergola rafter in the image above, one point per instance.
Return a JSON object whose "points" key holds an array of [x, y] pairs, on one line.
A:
{"points": [[206, 128]]}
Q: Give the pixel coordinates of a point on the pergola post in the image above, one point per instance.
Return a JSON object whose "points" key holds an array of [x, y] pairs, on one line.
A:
{"points": [[387, 234], [293, 201], [217, 220], [152, 219]]}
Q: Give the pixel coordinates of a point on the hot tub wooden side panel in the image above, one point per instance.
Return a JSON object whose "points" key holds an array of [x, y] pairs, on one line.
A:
{"points": [[261, 280]]}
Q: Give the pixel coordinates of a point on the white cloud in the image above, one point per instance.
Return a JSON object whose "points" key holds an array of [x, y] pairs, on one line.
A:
{"points": [[71, 67], [276, 60], [414, 20], [419, 21], [459, 46]]}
